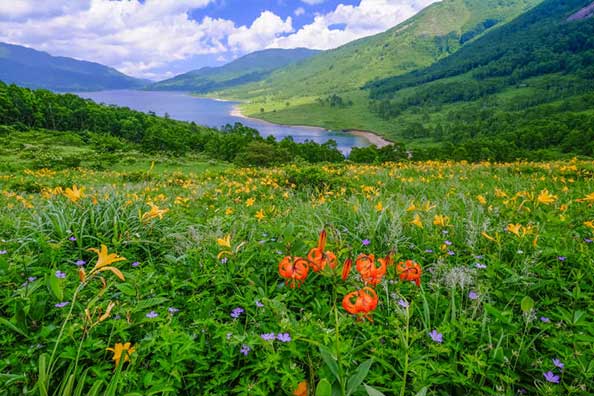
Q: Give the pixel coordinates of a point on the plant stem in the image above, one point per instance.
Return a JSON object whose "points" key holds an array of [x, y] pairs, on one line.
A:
{"points": [[341, 380], [406, 339]]}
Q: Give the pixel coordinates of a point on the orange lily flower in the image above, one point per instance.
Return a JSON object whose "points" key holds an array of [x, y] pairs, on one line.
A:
{"points": [[371, 274], [365, 301], [301, 389], [410, 271], [346, 269], [319, 258], [294, 270]]}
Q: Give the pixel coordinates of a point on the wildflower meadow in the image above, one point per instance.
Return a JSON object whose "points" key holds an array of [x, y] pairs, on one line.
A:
{"points": [[179, 278]]}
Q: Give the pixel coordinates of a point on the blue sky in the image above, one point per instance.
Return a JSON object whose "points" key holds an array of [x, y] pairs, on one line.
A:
{"points": [[158, 39]]}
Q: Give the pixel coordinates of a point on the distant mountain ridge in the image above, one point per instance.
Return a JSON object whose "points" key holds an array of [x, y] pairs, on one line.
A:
{"points": [[249, 68], [36, 69]]}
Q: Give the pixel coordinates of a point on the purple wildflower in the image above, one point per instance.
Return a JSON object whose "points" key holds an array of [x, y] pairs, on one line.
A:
{"points": [[558, 363], [259, 304], [62, 304], [449, 243], [3, 252], [445, 232], [245, 349], [31, 278], [365, 242], [437, 337], [152, 315], [551, 377], [428, 250], [472, 295], [544, 319], [267, 336], [237, 312], [480, 266], [403, 303], [60, 274], [283, 337], [451, 253], [172, 310], [561, 258], [478, 257], [72, 238], [135, 264], [224, 260], [229, 335], [80, 263], [587, 240]]}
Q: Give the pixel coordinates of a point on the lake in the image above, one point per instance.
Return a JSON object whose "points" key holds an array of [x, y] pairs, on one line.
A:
{"points": [[213, 113]]}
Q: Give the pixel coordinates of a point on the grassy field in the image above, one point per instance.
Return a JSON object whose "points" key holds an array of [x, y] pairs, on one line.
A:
{"points": [[188, 298]]}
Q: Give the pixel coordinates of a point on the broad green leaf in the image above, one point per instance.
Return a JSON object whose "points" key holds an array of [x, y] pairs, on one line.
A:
{"points": [[357, 378], [11, 326], [371, 391], [527, 304], [56, 287], [330, 362], [324, 388], [126, 288]]}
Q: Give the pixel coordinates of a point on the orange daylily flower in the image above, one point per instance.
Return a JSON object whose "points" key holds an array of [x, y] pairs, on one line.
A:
{"points": [[294, 270], [441, 220], [515, 229], [346, 269], [318, 258], [371, 274], [365, 302], [154, 212], [546, 198], [104, 260], [301, 389], [410, 271], [126, 349]]}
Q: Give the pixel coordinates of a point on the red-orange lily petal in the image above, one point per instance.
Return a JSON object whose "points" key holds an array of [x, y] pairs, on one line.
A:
{"points": [[319, 258], [361, 302], [410, 271], [346, 269], [371, 274], [294, 270]]}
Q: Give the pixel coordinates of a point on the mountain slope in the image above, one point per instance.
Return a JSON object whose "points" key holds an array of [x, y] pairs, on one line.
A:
{"points": [[434, 33], [252, 67], [35, 69], [528, 85]]}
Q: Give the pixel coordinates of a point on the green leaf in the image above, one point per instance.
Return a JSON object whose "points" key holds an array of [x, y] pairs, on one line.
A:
{"points": [[324, 388], [422, 392], [527, 304], [126, 288], [357, 378], [330, 362], [371, 391], [56, 287], [11, 326]]}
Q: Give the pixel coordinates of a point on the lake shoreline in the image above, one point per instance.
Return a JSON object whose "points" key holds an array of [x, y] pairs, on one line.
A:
{"points": [[371, 136]]}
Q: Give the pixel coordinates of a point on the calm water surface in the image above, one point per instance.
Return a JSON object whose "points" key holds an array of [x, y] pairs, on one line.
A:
{"points": [[213, 113]]}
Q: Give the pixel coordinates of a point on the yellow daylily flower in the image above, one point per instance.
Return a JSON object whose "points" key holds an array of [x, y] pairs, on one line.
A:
{"points": [[74, 193], [120, 349], [104, 260], [482, 200], [587, 198], [379, 207], [225, 242], [546, 198], [249, 202], [441, 220], [515, 229], [417, 221], [260, 214], [154, 212]]}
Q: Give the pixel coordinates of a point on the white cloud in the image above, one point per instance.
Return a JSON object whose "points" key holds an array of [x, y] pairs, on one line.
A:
{"points": [[299, 11], [368, 18], [139, 38]]}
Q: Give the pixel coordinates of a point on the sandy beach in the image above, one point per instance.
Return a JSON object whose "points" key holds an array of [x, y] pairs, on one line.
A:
{"points": [[373, 138]]}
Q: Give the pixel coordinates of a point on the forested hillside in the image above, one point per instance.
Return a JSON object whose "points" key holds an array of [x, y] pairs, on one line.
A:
{"points": [[249, 68], [528, 85]]}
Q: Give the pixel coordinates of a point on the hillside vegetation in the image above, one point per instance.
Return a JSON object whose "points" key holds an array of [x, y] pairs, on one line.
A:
{"points": [[249, 68], [437, 31], [34, 69]]}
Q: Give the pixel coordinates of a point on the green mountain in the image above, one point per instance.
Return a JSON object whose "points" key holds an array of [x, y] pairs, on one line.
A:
{"points": [[250, 68], [436, 32], [35, 69], [526, 86]]}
